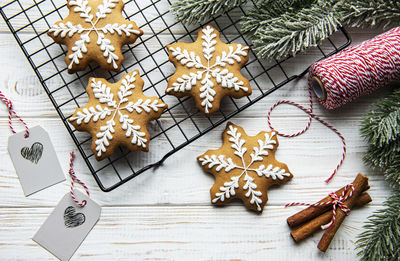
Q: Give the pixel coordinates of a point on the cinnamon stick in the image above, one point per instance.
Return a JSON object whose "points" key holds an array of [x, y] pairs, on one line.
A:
{"points": [[312, 212], [360, 183], [314, 225]]}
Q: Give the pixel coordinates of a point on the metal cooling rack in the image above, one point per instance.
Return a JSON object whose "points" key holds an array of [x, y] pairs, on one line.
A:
{"points": [[181, 124]]}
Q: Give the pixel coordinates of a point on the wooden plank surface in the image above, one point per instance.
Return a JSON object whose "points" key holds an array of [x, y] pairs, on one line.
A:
{"points": [[165, 214]]}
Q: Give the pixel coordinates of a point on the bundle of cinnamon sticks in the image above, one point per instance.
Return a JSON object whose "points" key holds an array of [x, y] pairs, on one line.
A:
{"points": [[312, 218]]}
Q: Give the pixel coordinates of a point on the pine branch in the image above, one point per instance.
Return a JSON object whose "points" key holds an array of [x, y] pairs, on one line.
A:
{"points": [[392, 173], [199, 11], [380, 126], [280, 32], [381, 129], [381, 239], [361, 13], [382, 157]]}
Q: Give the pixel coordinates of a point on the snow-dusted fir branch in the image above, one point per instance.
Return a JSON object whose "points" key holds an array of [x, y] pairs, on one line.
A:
{"points": [[199, 11], [381, 129], [361, 13], [279, 33], [381, 236]]}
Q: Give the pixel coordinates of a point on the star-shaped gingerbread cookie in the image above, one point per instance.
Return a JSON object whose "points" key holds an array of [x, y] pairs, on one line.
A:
{"points": [[244, 167], [94, 30], [208, 70], [117, 114]]}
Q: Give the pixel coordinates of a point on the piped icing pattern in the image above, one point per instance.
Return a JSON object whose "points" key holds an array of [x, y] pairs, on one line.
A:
{"points": [[117, 114], [97, 24], [208, 69], [244, 167]]}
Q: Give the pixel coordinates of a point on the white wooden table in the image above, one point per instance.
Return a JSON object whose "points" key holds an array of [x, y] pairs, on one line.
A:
{"points": [[166, 214]]}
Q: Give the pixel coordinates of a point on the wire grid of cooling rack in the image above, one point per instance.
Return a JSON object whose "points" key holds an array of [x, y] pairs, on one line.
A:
{"points": [[181, 124]]}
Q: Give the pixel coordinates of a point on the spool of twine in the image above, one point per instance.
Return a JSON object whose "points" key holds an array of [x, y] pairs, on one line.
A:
{"points": [[357, 70]]}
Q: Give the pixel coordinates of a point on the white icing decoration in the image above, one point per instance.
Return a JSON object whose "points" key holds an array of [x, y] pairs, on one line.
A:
{"points": [[79, 48], [111, 107], [222, 76], [222, 162]]}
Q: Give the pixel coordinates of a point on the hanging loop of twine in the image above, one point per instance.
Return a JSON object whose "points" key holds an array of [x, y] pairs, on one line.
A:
{"points": [[74, 179], [12, 114]]}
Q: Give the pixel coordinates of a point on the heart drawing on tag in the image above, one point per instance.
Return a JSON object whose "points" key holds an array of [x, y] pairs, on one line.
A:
{"points": [[73, 219], [34, 153]]}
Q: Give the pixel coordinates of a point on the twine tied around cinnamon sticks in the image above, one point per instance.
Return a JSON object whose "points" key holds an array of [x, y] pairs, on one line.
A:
{"points": [[317, 215], [336, 202]]}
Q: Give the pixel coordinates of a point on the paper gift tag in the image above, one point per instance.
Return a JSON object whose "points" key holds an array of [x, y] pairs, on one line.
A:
{"points": [[67, 226], [35, 160]]}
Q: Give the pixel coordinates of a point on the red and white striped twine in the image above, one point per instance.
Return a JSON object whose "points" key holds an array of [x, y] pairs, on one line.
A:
{"points": [[353, 72], [311, 115], [336, 202], [359, 70], [12, 113], [74, 180]]}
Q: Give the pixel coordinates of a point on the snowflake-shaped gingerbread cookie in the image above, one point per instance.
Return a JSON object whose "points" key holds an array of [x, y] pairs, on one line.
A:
{"points": [[94, 30], [208, 70], [117, 114], [244, 167]]}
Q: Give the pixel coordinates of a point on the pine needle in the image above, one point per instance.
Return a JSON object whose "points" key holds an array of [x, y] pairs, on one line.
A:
{"points": [[362, 13], [289, 26], [199, 11], [381, 129], [381, 239]]}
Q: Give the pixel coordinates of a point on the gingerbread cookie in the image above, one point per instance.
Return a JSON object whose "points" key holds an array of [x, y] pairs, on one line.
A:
{"points": [[94, 30], [117, 114], [208, 70], [244, 167]]}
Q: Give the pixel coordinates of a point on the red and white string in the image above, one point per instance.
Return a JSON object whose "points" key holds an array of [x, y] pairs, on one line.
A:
{"points": [[311, 115], [353, 72], [336, 202], [74, 180], [359, 70], [12, 113]]}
